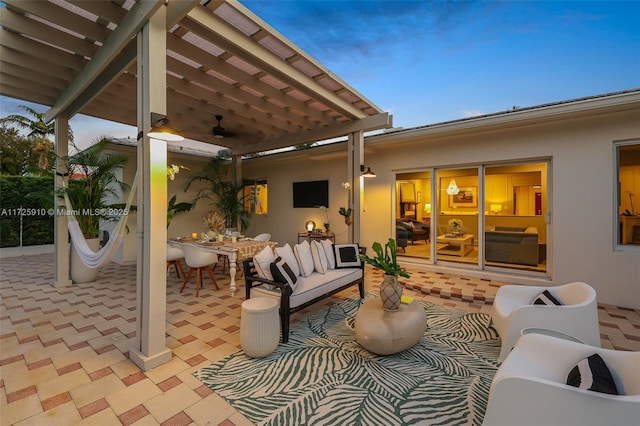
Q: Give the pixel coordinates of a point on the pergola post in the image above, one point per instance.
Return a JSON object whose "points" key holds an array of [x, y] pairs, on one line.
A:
{"points": [[60, 230], [151, 350], [355, 159]]}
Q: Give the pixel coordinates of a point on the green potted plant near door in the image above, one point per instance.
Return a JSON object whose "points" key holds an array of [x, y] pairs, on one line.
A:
{"points": [[386, 260], [93, 181]]}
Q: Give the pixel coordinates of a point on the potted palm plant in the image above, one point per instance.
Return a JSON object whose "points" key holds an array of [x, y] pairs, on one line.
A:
{"points": [[93, 181], [386, 260], [227, 196]]}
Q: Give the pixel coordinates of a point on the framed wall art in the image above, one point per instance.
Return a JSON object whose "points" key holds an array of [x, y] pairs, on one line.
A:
{"points": [[466, 198]]}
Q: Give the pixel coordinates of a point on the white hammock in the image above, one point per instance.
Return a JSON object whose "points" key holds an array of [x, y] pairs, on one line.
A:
{"points": [[90, 258]]}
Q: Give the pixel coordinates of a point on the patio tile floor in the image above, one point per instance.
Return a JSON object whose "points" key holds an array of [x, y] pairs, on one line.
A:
{"points": [[64, 351]]}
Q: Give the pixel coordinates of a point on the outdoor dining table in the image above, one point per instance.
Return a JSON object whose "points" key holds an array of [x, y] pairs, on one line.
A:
{"points": [[239, 250]]}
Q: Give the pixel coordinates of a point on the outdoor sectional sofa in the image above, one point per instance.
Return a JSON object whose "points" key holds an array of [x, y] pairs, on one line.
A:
{"points": [[319, 283], [512, 245]]}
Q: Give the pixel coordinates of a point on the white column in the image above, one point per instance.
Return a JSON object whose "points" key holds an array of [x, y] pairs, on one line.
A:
{"points": [[356, 158], [60, 230], [151, 350]]}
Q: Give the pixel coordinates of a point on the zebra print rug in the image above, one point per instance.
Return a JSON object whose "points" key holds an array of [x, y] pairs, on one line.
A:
{"points": [[322, 376]]}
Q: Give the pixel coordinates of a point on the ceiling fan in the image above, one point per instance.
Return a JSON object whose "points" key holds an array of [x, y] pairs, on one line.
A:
{"points": [[219, 131]]}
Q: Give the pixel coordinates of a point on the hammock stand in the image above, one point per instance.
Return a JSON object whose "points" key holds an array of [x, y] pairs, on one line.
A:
{"points": [[90, 258]]}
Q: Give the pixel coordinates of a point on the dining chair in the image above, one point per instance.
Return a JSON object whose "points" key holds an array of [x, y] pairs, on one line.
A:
{"points": [[262, 237], [174, 254], [198, 260]]}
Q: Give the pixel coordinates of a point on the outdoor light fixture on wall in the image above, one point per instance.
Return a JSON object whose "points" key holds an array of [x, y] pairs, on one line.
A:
{"points": [[452, 189], [368, 173], [162, 129]]}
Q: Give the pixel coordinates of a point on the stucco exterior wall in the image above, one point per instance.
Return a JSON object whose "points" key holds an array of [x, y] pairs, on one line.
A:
{"points": [[580, 244], [581, 187]]}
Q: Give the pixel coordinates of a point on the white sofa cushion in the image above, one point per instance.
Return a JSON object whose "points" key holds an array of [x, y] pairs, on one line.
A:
{"points": [[328, 249], [320, 261], [304, 257], [262, 262]]}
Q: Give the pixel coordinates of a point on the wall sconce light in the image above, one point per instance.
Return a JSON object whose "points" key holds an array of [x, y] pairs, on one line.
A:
{"points": [[495, 208], [161, 129], [310, 226], [452, 189], [368, 173], [427, 208]]}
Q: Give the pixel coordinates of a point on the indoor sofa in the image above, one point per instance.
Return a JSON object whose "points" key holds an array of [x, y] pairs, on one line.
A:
{"points": [[414, 230], [512, 245]]}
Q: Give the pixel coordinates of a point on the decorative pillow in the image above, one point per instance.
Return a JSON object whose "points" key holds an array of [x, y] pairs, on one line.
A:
{"points": [[304, 258], [546, 298], [262, 261], [592, 374], [282, 272], [286, 252], [347, 255], [328, 250], [320, 261]]}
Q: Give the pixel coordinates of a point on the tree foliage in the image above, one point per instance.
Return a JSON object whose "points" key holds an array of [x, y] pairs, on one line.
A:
{"points": [[93, 181], [227, 196]]}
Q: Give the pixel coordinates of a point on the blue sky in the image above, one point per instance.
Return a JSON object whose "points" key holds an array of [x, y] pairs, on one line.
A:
{"points": [[432, 61]]}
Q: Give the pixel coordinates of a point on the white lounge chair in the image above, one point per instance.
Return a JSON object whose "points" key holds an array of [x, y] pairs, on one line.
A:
{"points": [[529, 388], [513, 310]]}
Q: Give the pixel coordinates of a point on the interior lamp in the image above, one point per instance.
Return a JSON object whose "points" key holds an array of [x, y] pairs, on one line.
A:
{"points": [[495, 208], [162, 129], [367, 173], [310, 226], [452, 189], [427, 208]]}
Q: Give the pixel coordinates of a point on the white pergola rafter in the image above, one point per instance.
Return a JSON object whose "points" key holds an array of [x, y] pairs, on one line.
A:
{"points": [[124, 60]]}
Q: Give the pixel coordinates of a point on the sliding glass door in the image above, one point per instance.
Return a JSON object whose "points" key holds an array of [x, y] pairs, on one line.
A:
{"points": [[490, 216]]}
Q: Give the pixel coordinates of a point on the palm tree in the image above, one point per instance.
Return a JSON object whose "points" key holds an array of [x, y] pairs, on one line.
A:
{"points": [[93, 181], [36, 125], [226, 195]]}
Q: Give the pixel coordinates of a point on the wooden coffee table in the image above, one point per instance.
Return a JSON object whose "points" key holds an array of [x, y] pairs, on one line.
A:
{"points": [[455, 246]]}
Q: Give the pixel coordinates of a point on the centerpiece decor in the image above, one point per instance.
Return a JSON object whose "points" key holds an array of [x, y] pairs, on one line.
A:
{"points": [[456, 227], [390, 288], [214, 223]]}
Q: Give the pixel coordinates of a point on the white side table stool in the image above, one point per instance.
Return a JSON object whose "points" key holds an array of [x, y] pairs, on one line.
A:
{"points": [[259, 326]]}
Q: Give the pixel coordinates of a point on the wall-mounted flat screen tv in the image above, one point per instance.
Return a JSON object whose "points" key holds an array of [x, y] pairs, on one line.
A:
{"points": [[311, 194]]}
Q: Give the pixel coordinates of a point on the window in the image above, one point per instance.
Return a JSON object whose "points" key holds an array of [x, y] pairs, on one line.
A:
{"points": [[255, 197], [628, 211], [488, 216]]}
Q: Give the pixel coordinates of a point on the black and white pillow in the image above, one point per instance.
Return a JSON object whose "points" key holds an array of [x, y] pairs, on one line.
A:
{"points": [[347, 255], [592, 374], [546, 298], [286, 252], [282, 273]]}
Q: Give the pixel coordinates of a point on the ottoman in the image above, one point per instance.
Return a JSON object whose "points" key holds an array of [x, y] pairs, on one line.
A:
{"points": [[383, 332], [259, 326]]}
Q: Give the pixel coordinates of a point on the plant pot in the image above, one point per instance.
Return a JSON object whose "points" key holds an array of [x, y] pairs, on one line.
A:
{"points": [[78, 271], [348, 220], [390, 293]]}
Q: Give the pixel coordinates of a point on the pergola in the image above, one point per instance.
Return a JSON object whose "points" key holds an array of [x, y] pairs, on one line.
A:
{"points": [[125, 60]]}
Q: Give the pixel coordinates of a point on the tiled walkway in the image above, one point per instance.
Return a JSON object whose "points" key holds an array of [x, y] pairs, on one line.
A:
{"points": [[64, 352]]}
